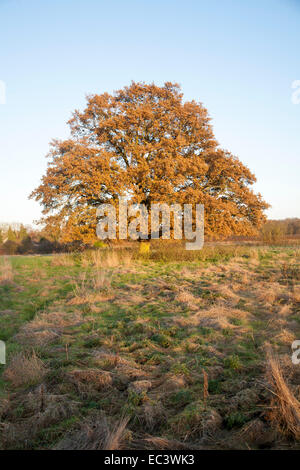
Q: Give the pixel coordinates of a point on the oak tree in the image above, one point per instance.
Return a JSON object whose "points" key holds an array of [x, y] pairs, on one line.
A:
{"points": [[144, 142]]}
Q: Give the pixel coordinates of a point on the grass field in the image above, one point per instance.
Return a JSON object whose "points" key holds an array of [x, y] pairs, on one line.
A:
{"points": [[159, 349]]}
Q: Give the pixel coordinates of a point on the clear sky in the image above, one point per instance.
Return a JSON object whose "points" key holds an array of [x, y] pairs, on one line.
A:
{"points": [[238, 57]]}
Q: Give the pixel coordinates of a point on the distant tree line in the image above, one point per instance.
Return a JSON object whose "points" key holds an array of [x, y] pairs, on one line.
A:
{"points": [[17, 239], [276, 230]]}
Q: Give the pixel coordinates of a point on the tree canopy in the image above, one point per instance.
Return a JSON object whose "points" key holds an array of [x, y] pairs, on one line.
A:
{"points": [[145, 142]]}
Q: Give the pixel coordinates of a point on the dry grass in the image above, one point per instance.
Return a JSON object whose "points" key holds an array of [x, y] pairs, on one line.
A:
{"points": [[153, 414], [29, 337], [188, 299], [219, 316], [62, 260], [6, 271], [95, 378], [285, 310], [115, 437], [86, 284], [40, 410], [101, 279], [254, 434], [176, 347], [140, 386], [105, 259], [162, 443], [285, 337], [226, 291], [285, 408], [24, 370], [46, 327], [269, 293], [81, 285], [296, 294], [91, 288], [96, 434], [195, 421]]}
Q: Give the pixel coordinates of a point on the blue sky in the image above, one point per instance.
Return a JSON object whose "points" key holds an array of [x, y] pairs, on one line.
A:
{"points": [[238, 57]]}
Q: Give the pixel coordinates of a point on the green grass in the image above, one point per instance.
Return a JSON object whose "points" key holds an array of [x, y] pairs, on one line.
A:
{"points": [[138, 327]]}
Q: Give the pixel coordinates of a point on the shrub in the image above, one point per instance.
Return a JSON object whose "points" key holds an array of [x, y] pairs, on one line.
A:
{"points": [[272, 233], [25, 369], [10, 247]]}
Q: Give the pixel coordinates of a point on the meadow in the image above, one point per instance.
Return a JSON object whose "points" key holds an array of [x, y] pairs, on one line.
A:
{"points": [[151, 347]]}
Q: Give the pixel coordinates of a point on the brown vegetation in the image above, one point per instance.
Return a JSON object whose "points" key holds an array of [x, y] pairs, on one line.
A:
{"points": [[285, 408], [145, 141], [176, 348], [25, 369]]}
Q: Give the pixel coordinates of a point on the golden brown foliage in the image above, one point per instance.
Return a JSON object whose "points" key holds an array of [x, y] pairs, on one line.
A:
{"points": [[145, 141]]}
